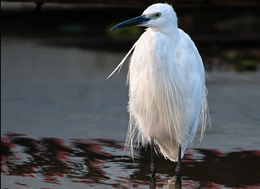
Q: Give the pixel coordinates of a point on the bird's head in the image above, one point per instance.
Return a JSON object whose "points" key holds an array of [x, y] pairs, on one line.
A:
{"points": [[157, 16]]}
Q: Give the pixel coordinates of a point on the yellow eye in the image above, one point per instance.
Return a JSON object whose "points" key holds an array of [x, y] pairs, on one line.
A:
{"points": [[157, 15]]}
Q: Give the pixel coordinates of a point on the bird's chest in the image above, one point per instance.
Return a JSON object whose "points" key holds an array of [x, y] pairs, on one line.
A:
{"points": [[152, 58], [151, 69]]}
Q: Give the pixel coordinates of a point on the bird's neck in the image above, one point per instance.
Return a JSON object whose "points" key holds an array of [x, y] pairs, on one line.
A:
{"points": [[172, 33]]}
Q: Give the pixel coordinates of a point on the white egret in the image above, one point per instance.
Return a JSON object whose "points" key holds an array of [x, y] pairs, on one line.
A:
{"points": [[167, 93]]}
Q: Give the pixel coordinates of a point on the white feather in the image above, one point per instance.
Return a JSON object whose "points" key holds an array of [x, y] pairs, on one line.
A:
{"points": [[167, 93]]}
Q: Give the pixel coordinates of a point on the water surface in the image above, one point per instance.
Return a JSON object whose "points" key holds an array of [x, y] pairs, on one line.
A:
{"points": [[83, 163]]}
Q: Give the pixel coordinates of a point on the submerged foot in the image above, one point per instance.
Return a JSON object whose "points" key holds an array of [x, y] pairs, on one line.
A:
{"points": [[153, 160], [153, 183], [153, 171], [178, 170]]}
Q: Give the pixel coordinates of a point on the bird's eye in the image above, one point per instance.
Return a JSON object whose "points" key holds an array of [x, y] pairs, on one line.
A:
{"points": [[157, 15]]}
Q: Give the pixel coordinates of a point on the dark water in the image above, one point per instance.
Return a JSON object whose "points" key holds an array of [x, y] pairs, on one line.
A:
{"points": [[99, 163]]}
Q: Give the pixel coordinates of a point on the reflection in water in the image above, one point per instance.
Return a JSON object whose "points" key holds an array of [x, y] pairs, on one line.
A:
{"points": [[174, 183], [100, 162]]}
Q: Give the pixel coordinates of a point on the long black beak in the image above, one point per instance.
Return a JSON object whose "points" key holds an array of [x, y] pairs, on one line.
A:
{"points": [[132, 22]]}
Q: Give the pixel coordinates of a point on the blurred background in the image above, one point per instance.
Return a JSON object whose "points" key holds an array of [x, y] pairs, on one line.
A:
{"points": [[64, 125]]}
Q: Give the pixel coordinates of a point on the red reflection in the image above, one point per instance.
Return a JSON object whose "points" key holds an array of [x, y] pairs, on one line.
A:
{"points": [[89, 161]]}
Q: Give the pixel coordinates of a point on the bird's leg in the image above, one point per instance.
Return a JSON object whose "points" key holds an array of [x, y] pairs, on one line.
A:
{"points": [[178, 170], [153, 183], [153, 159]]}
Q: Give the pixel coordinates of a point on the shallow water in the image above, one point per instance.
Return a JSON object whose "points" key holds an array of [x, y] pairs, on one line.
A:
{"points": [[63, 125], [83, 163]]}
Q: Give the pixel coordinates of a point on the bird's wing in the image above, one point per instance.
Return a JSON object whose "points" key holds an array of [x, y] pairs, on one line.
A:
{"points": [[192, 65]]}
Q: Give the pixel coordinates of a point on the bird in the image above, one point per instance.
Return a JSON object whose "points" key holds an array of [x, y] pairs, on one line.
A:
{"points": [[167, 93]]}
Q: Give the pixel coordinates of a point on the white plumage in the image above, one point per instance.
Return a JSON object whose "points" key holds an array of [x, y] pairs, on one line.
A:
{"points": [[167, 93]]}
